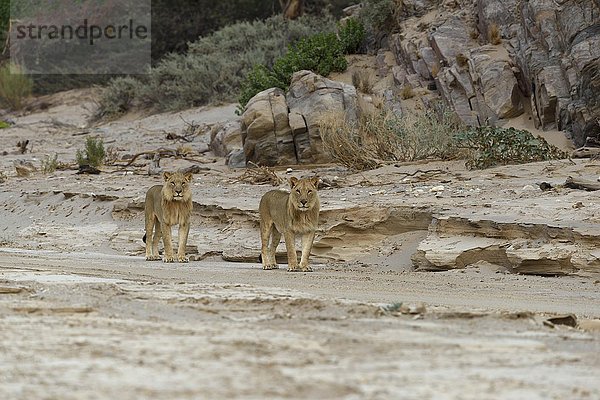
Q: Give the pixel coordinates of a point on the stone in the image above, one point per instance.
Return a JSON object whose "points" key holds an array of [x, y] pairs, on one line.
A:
{"points": [[312, 96], [499, 86], [226, 138], [450, 39], [266, 134], [236, 159]]}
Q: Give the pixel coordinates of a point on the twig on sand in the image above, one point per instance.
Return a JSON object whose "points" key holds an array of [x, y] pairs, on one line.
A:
{"points": [[259, 175]]}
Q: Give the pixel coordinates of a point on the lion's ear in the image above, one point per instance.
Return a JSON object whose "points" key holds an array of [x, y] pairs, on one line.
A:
{"points": [[293, 181], [189, 176], [167, 175], [315, 181]]}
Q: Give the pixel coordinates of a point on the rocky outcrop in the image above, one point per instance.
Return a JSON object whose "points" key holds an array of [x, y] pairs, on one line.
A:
{"points": [[548, 61], [282, 129]]}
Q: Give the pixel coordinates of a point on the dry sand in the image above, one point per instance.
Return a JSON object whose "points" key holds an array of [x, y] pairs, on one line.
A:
{"points": [[83, 316]]}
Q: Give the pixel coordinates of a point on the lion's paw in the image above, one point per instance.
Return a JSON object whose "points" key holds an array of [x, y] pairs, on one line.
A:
{"points": [[270, 267], [183, 259], [306, 268], [169, 259], [153, 258]]}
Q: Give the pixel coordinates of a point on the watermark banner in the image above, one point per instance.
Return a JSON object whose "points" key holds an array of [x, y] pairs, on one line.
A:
{"points": [[81, 36]]}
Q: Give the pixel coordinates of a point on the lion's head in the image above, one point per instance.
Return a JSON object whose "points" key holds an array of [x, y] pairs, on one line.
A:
{"points": [[304, 195], [177, 186]]}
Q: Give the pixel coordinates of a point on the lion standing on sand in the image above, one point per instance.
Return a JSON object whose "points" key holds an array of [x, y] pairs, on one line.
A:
{"points": [[167, 205], [289, 214]]}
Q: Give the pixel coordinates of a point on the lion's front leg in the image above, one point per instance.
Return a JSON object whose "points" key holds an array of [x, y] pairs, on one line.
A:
{"points": [[290, 246], [184, 230], [307, 242], [168, 242]]}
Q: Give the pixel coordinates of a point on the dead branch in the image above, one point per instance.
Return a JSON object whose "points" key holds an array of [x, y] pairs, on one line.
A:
{"points": [[577, 184], [259, 175]]}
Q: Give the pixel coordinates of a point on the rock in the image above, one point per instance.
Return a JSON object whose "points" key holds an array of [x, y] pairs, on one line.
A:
{"points": [[226, 138], [266, 134], [313, 96], [284, 129], [567, 320], [24, 168], [352, 10], [590, 325], [557, 48], [236, 159], [499, 86], [449, 40]]}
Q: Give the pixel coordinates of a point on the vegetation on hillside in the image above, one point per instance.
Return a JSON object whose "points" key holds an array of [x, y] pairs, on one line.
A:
{"points": [[214, 67]]}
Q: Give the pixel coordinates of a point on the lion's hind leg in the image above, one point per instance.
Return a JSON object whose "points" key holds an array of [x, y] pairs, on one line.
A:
{"points": [[268, 231], [156, 239], [150, 238]]}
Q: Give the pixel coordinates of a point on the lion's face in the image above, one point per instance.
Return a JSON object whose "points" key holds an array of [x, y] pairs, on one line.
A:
{"points": [[177, 186], [304, 193]]}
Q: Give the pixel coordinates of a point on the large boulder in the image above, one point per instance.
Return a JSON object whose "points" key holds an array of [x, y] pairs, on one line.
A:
{"points": [[283, 129], [266, 133], [312, 96]]}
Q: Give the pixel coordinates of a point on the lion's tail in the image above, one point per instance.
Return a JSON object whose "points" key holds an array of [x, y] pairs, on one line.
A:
{"points": [[144, 238]]}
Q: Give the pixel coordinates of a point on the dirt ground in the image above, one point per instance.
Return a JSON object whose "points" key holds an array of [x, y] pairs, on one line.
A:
{"points": [[83, 316]]}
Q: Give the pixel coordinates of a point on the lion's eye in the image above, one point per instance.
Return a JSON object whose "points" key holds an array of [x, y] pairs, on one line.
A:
{"points": [[173, 183], [310, 192], [298, 191]]}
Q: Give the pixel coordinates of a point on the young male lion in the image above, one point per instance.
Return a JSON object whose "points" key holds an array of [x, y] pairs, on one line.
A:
{"points": [[289, 214], [167, 205]]}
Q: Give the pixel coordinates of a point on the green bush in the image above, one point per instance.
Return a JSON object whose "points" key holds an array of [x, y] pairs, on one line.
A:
{"points": [[322, 53], [352, 35], [118, 97], [93, 154], [491, 146], [15, 87], [215, 66], [379, 15]]}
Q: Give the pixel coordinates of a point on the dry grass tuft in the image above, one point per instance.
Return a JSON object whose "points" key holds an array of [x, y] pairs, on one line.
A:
{"points": [[259, 175], [385, 138], [407, 92], [363, 81], [462, 60], [494, 34]]}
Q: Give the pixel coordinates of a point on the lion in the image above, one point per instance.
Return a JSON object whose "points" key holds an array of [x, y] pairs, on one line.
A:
{"points": [[167, 205], [289, 214]]}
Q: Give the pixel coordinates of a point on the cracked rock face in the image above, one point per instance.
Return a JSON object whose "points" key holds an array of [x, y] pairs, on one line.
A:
{"points": [[280, 128], [548, 60]]}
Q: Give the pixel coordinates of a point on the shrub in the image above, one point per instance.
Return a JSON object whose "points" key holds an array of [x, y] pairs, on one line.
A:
{"points": [[378, 15], [259, 79], [494, 34], [93, 154], [215, 66], [352, 35], [49, 164], [385, 137], [118, 97], [491, 146], [321, 53], [15, 86]]}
